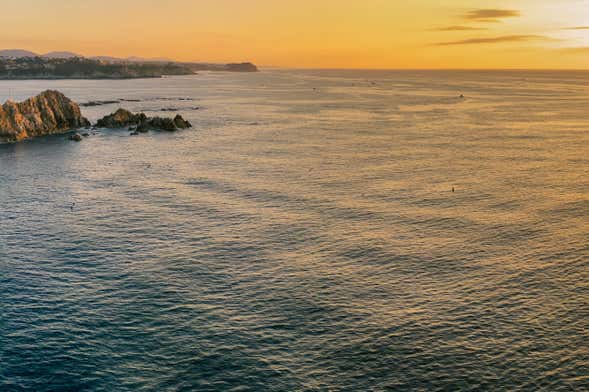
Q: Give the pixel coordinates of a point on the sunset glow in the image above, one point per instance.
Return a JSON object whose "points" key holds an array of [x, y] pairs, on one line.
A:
{"points": [[312, 33]]}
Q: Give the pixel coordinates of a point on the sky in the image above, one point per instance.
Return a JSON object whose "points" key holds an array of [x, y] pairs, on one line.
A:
{"points": [[384, 34]]}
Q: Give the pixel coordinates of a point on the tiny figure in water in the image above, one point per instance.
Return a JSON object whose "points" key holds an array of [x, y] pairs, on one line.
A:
{"points": [[452, 189], [461, 96], [72, 206]]}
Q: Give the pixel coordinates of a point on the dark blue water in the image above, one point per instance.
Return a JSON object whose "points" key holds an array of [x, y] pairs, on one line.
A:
{"points": [[304, 236]]}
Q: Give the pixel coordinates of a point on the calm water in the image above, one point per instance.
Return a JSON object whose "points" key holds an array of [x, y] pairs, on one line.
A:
{"points": [[304, 236]]}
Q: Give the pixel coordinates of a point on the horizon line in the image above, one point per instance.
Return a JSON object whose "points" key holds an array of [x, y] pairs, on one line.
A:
{"points": [[167, 59], [261, 67]]}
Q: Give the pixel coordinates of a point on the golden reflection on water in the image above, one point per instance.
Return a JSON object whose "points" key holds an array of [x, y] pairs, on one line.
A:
{"points": [[318, 230]]}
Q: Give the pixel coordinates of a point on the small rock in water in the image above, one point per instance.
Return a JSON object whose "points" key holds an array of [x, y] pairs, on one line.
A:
{"points": [[98, 103], [181, 123], [76, 137], [134, 133], [143, 127]]}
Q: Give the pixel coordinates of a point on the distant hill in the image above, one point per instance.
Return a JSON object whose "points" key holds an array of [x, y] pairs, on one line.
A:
{"points": [[17, 53], [21, 53], [61, 55], [24, 64]]}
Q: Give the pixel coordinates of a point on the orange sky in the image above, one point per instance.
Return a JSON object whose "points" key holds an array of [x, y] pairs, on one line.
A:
{"points": [[311, 33]]}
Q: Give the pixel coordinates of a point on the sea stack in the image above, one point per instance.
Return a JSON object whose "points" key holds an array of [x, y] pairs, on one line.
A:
{"points": [[48, 113]]}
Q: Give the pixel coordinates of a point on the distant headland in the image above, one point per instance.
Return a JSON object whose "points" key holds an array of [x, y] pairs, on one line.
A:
{"points": [[18, 64]]}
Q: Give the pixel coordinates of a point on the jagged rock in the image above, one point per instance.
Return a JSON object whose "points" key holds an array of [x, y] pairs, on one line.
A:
{"points": [[48, 113]]}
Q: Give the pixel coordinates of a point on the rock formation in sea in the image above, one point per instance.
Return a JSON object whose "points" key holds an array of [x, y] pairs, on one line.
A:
{"points": [[48, 113], [123, 118]]}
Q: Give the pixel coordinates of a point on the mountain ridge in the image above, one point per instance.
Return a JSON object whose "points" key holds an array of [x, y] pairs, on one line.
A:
{"points": [[60, 55], [17, 53], [23, 53]]}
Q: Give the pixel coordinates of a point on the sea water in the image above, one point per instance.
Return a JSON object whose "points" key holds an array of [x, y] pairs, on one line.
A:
{"points": [[315, 230]]}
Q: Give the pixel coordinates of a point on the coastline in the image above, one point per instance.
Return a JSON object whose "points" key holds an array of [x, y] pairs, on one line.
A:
{"points": [[87, 77]]}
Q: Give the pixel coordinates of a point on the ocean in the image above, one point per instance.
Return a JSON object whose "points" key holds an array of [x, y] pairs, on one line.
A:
{"points": [[316, 230]]}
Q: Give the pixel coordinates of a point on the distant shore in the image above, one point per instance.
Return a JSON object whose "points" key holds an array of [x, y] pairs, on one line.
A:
{"points": [[40, 68]]}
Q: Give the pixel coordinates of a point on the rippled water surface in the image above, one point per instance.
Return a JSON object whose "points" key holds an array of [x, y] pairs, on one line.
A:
{"points": [[304, 236]]}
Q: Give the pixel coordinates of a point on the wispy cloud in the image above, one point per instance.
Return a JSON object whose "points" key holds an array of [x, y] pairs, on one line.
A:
{"points": [[495, 40], [577, 28], [491, 15], [459, 28]]}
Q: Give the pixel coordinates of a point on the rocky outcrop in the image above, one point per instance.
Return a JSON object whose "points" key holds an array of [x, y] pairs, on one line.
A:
{"points": [[123, 118], [48, 113], [120, 119], [181, 123]]}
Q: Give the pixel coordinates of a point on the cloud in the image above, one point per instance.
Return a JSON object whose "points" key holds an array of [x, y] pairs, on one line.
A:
{"points": [[495, 40], [459, 28], [577, 28], [490, 15]]}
